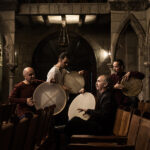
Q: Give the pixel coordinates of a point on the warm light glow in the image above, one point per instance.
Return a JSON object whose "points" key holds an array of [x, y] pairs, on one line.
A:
{"points": [[90, 18], [70, 19], [55, 19], [38, 19], [104, 53]]}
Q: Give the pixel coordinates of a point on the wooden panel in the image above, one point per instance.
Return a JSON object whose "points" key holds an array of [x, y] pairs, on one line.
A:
{"points": [[92, 138], [143, 138], [20, 134], [40, 129], [125, 122], [99, 146], [133, 130], [30, 140], [6, 132]]}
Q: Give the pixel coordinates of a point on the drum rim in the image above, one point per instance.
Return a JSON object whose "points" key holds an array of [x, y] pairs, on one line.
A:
{"points": [[75, 98], [128, 94], [65, 99], [72, 72]]}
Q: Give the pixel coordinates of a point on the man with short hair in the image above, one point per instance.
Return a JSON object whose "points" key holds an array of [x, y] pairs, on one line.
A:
{"points": [[23, 92], [119, 67], [57, 72], [101, 118]]}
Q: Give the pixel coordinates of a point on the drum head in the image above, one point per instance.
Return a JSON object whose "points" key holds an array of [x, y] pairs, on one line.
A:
{"points": [[74, 82], [47, 94], [132, 87], [84, 101]]}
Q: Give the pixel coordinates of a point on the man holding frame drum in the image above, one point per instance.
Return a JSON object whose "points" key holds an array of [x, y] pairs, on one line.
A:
{"points": [[119, 78], [101, 118]]}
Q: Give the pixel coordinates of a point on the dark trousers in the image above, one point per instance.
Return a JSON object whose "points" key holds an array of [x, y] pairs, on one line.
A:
{"points": [[79, 126]]}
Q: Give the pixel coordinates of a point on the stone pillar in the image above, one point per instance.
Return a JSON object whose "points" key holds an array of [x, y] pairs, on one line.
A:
{"points": [[7, 21]]}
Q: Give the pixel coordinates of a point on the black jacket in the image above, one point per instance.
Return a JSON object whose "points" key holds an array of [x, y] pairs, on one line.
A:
{"points": [[104, 113]]}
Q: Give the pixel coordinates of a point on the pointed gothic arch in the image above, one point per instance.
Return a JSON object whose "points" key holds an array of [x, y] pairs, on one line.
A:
{"points": [[137, 27]]}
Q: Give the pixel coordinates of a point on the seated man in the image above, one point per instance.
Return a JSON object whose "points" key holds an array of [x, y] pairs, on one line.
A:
{"points": [[102, 118], [122, 100], [23, 92]]}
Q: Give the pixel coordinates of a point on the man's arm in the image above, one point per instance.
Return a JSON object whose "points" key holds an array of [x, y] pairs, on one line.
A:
{"points": [[14, 96]]}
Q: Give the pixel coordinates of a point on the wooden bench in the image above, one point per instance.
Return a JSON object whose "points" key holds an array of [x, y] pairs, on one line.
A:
{"points": [[120, 131], [143, 137], [6, 132], [99, 146]]}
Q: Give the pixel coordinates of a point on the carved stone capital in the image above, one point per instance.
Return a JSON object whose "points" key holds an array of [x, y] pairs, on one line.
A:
{"points": [[12, 67], [128, 4]]}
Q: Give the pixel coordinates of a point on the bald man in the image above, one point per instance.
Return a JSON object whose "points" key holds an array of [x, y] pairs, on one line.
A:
{"points": [[23, 92]]}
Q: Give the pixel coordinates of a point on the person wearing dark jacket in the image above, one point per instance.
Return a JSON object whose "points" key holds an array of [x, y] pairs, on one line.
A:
{"points": [[101, 118], [118, 75]]}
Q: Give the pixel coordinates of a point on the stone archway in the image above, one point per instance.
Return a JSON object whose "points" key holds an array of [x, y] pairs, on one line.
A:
{"points": [[81, 56], [131, 19], [138, 29]]}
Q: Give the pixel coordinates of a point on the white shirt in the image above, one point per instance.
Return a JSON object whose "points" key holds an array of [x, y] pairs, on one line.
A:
{"points": [[55, 73]]}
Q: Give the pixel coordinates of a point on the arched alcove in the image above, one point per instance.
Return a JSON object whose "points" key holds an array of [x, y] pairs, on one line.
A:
{"points": [[81, 57], [137, 28], [127, 48]]}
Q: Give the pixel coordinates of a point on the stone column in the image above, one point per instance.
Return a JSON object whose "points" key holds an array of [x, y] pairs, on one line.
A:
{"points": [[7, 19]]}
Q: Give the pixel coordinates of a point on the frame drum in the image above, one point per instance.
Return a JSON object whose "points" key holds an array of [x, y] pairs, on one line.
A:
{"points": [[74, 82], [83, 101], [47, 94], [132, 87]]}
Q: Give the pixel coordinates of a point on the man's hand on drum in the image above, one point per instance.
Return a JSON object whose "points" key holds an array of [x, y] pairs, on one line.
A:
{"points": [[126, 76], [118, 86], [81, 72], [81, 91], [52, 80], [30, 101], [66, 88], [81, 109]]}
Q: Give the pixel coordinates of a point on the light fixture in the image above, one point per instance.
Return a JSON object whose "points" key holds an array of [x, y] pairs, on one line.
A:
{"points": [[63, 39]]}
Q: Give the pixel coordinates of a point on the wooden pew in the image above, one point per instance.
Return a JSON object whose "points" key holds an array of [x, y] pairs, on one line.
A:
{"points": [[19, 134], [30, 138], [99, 146], [115, 142], [45, 126], [39, 132], [6, 131], [6, 112], [134, 129], [143, 137], [120, 131]]}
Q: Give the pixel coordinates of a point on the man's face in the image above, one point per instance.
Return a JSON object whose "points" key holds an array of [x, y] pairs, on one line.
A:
{"points": [[116, 67], [29, 75], [100, 83], [64, 62]]}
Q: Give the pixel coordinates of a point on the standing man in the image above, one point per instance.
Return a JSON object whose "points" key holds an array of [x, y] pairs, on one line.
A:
{"points": [[57, 72], [119, 67], [23, 92], [102, 118]]}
